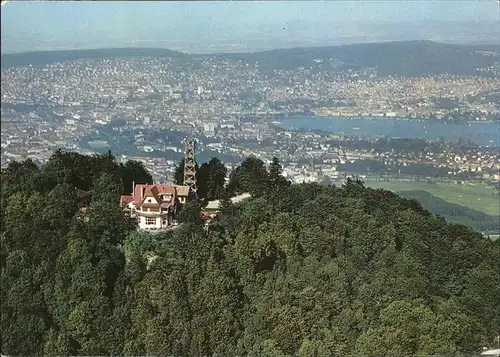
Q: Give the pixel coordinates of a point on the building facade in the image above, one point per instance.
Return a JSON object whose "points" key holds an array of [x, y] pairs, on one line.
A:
{"points": [[155, 206]]}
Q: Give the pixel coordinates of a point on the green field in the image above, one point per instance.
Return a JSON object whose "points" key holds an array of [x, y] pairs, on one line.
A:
{"points": [[476, 196]]}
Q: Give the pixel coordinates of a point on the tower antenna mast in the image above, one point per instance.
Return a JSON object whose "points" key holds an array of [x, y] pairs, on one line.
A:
{"points": [[190, 159], [190, 166]]}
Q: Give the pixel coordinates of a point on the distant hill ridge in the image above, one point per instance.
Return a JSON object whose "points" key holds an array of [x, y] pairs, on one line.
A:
{"points": [[47, 57], [409, 58]]}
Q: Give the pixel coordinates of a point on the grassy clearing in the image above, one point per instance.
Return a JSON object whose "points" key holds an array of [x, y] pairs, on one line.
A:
{"points": [[475, 196]]}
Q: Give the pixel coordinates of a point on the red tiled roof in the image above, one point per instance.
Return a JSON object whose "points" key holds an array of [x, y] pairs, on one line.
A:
{"points": [[126, 199], [138, 193], [166, 189], [150, 191], [144, 190], [150, 205], [208, 215]]}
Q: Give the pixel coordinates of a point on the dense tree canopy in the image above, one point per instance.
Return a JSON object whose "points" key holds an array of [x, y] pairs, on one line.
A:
{"points": [[295, 270], [212, 179], [253, 177]]}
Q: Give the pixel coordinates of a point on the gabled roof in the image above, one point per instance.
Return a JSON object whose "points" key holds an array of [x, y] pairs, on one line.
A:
{"points": [[142, 191], [151, 191]]}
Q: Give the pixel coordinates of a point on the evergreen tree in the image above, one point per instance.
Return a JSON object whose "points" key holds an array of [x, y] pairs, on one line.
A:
{"points": [[133, 171], [211, 179], [299, 270], [251, 176], [276, 178], [179, 173]]}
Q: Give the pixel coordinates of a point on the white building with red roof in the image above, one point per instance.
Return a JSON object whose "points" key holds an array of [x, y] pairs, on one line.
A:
{"points": [[155, 206]]}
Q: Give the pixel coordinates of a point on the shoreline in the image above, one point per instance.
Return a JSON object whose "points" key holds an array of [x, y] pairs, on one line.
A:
{"points": [[279, 118], [482, 133]]}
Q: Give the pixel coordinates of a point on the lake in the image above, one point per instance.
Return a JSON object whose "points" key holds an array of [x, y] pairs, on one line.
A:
{"points": [[481, 133]]}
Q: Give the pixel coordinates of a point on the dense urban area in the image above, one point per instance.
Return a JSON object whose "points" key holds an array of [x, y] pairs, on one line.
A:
{"points": [[143, 107]]}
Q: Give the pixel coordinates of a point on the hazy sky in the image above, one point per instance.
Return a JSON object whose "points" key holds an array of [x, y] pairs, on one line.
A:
{"points": [[240, 25]]}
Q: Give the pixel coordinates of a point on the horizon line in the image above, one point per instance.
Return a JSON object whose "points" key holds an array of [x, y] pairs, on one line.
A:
{"points": [[473, 43]]}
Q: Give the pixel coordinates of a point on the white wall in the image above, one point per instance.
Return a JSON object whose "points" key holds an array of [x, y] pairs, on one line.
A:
{"points": [[158, 225]]}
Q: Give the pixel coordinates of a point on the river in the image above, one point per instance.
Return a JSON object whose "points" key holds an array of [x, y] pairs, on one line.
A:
{"points": [[481, 133]]}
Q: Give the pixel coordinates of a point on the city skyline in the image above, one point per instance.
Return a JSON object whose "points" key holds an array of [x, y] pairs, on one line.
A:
{"points": [[203, 27]]}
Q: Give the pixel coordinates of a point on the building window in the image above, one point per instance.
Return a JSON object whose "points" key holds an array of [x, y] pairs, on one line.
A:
{"points": [[150, 221]]}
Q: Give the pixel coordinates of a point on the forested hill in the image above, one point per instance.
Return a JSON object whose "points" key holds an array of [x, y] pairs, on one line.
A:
{"points": [[304, 270], [405, 58], [46, 57]]}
